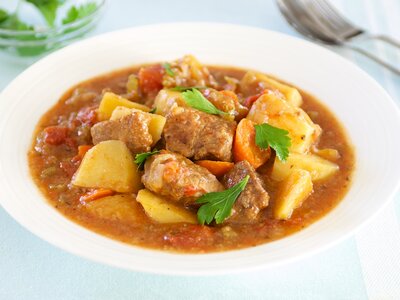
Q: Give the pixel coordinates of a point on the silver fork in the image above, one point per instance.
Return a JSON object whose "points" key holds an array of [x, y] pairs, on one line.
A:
{"points": [[320, 21]]}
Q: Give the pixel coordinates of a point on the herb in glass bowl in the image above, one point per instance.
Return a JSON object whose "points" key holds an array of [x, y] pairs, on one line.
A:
{"points": [[54, 24]]}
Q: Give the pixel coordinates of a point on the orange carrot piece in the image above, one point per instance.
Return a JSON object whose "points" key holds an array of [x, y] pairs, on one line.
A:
{"points": [[82, 149], [218, 168], [95, 194], [244, 145]]}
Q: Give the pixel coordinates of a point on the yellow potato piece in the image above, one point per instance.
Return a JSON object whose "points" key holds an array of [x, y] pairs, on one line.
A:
{"points": [[277, 112], [251, 79], [108, 165], [156, 127], [166, 100], [156, 124], [162, 211], [110, 101], [122, 208], [318, 167], [293, 191], [328, 153]]}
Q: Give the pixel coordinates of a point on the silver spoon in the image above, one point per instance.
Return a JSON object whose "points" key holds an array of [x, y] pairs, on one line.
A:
{"points": [[318, 20]]}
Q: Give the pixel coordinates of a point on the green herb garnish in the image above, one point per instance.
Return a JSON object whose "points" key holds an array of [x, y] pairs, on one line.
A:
{"points": [[153, 110], [140, 158], [186, 88], [218, 205], [276, 138], [196, 100], [48, 8], [79, 12], [167, 68], [3, 15]]}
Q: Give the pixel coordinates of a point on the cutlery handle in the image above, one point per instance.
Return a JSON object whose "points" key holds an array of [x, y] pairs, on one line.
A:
{"points": [[375, 58], [384, 38]]}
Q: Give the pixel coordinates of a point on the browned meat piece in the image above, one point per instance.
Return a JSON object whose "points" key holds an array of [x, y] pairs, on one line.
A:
{"points": [[252, 199], [176, 177], [226, 101], [132, 129], [199, 135]]}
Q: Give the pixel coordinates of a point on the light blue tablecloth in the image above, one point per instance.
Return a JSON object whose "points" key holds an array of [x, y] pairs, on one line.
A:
{"points": [[32, 269]]}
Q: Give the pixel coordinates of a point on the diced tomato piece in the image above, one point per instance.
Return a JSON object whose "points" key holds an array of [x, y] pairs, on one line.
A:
{"points": [[87, 115], [150, 79], [70, 142], [55, 135], [191, 236], [248, 102]]}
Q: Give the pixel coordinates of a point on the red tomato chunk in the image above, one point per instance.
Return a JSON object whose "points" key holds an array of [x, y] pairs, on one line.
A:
{"points": [[55, 135], [150, 79], [191, 236]]}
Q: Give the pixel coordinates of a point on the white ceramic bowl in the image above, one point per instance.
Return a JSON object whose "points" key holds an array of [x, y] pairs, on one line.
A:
{"points": [[371, 118]]}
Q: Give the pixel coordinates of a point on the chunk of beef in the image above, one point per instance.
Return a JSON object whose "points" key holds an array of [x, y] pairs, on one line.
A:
{"points": [[132, 129], [176, 177], [199, 135], [253, 198]]}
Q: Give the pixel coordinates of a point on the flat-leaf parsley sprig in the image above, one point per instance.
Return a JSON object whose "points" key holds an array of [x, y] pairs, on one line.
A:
{"points": [[276, 138], [195, 99], [218, 205], [140, 158]]}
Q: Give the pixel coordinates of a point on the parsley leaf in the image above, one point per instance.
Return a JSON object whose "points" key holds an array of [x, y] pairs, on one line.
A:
{"points": [[48, 8], [276, 138], [140, 158], [196, 100], [14, 23], [167, 67], [3, 15], [186, 88], [153, 110], [218, 205], [79, 12]]}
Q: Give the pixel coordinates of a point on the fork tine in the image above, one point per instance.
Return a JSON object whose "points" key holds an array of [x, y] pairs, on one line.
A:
{"points": [[333, 19], [297, 16], [334, 15]]}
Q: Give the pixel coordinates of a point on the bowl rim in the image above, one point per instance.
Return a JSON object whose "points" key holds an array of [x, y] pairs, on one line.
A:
{"points": [[228, 269], [58, 29]]}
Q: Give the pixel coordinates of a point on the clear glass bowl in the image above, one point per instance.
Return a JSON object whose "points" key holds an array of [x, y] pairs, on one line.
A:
{"points": [[33, 44]]}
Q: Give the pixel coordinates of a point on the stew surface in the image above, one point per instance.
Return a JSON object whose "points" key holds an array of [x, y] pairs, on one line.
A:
{"points": [[84, 157]]}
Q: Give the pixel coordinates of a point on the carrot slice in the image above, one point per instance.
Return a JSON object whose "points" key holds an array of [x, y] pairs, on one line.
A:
{"points": [[244, 145], [218, 168], [82, 149], [95, 194]]}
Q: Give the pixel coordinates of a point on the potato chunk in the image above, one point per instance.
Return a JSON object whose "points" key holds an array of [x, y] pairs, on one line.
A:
{"points": [[318, 167], [108, 165], [110, 101], [156, 123], [122, 208], [162, 211], [166, 100], [277, 112], [252, 81], [293, 191]]}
